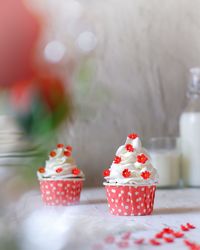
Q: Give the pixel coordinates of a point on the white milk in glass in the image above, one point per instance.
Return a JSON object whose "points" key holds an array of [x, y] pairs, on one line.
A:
{"points": [[190, 133], [167, 163], [190, 146]]}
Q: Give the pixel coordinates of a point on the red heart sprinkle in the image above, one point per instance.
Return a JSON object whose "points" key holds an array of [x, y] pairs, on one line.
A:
{"points": [[126, 173], [60, 145], [129, 148], [69, 148], [67, 153], [139, 241], [190, 226], [178, 234], [132, 136], [123, 244], [142, 158], [159, 235], [168, 239], [41, 170], [168, 230], [76, 171], [155, 242], [59, 170], [145, 175], [117, 159], [52, 153], [109, 239], [189, 243], [106, 172], [184, 228]]}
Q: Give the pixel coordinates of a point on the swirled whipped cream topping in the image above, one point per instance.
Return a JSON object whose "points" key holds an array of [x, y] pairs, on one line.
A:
{"points": [[131, 165], [60, 165]]}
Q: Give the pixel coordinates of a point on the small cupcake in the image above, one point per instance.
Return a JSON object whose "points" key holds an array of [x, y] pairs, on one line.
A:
{"points": [[60, 180], [131, 180]]}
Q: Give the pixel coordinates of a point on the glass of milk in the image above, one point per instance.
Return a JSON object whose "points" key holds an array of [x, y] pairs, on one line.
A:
{"points": [[165, 155]]}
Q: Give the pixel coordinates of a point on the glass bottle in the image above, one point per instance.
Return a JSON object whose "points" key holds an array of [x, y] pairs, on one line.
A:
{"points": [[190, 133]]}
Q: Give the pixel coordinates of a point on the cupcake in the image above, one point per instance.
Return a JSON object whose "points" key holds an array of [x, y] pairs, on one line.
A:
{"points": [[131, 180], [60, 180]]}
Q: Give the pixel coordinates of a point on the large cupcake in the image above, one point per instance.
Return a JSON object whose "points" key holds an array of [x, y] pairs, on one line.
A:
{"points": [[131, 180], [60, 180]]}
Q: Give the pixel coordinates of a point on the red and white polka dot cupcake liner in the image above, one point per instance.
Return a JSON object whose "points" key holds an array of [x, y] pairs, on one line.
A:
{"points": [[61, 192], [130, 200]]}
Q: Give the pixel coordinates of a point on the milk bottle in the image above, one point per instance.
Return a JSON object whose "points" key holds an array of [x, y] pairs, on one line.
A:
{"points": [[190, 133]]}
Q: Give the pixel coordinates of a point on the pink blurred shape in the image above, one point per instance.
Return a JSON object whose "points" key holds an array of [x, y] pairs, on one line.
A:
{"points": [[19, 30]]}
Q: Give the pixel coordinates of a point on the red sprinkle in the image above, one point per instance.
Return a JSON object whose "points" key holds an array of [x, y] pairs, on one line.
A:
{"points": [[142, 158], [60, 145], [189, 243], [132, 136], [126, 236], [123, 244], [76, 171], [139, 241], [117, 159], [145, 175], [178, 234], [41, 170], [159, 235], [168, 239], [129, 148], [126, 173], [190, 226], [67, 153], [52, 153], [109, 239], [155, 242], [69, 148], [106, 172], [59, 170], [184, 228], [168, 230]]}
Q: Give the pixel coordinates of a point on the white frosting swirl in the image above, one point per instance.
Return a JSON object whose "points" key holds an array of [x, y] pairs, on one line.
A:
{"points": [[60, 166], [132, 165]]}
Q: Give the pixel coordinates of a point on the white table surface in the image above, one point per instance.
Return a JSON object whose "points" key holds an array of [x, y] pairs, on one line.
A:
{"points": [[87, 225]]}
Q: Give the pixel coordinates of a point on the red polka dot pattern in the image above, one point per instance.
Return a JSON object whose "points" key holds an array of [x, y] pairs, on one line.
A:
{"points": [[130, 200], [60, 192]]}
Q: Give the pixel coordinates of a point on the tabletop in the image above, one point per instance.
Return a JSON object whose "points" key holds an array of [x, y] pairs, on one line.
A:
{"points": [[28, 224]]}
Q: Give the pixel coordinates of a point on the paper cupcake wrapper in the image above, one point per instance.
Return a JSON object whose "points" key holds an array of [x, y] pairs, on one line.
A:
{"points": [[130, 200], [61, 192]]}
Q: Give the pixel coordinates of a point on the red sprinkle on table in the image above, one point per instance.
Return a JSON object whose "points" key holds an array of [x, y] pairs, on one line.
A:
{"points": [[184, 228], [60, 145], [109, 239], [168, 239], [41, 170], [190, 226], [59, 170], [67, 153], [145, 175], [142, 158], [139, 241], [76, 171], [168, 230], [155, 242], [178, 234], [52, 153], [117, 159], [132, 136], [106, 172], [129, 148], [159, 235], [69, 148], [126, 173]]}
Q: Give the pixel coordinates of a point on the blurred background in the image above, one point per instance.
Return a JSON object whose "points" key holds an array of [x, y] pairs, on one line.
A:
{"points": [[87, 73]]}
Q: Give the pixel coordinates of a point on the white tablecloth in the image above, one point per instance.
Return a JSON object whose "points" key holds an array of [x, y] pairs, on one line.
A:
{"points": [[89, 225]]}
